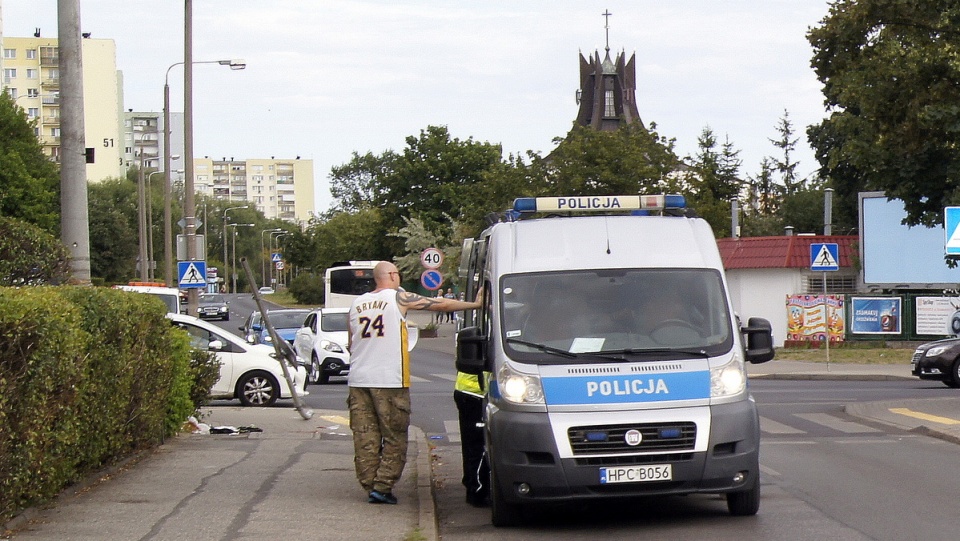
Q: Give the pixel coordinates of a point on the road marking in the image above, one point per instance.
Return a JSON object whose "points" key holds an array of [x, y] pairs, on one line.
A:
{"points": [[453, 430], [772, 427], [830, 421], [448, 377], [417, 379], [338, 419], [925, 416]]}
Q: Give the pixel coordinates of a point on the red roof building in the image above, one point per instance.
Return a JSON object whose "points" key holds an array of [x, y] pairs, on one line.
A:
{"points": [[786, 252], [763, 271]]}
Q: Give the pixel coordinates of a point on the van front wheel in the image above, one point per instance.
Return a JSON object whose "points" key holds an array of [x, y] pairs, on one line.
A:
{"points": [[747, 502]]}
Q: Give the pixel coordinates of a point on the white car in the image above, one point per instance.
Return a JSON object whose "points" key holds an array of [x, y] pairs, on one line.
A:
{"points": [[323, 340], [250, 373]]}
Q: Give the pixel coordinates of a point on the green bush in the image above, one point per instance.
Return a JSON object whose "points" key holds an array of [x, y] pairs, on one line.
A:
{"points": [[89, 375], [205, 371], [307, 289], [30, 256]]}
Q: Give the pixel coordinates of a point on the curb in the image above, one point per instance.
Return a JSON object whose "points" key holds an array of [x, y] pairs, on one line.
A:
{"points": [[427, 517], [829, 377]]}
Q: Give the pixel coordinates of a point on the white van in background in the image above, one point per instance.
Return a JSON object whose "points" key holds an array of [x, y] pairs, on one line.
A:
{"points": [[170, 296], [615, 361]]}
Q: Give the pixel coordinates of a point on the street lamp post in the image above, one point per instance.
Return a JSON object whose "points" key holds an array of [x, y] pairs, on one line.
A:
{"points": [[150, 253], [270, 248], [279, 274], [263, 255], [141, 207], [224, 235], [234, 64], [234, 275]]}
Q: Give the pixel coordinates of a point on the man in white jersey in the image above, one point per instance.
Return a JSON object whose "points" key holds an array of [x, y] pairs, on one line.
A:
{"points": [[379, 380]]}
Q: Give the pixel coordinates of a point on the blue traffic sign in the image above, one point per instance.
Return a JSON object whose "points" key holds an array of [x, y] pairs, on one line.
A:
{"points": [[951, 227], [824, 257], [192, 274], [431, 279]]}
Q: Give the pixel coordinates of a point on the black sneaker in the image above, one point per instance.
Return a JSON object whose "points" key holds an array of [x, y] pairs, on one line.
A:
{"points": [[382, 497]]}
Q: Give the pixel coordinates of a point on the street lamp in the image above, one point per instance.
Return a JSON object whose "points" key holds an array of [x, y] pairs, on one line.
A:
{"points": [[142, 204], [263, 255], [234, 276], [150, 253], [279, 274], [224, 235], [167, 218]]}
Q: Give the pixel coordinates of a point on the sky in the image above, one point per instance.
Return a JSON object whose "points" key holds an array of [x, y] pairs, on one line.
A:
{"points": [[325, 79]]}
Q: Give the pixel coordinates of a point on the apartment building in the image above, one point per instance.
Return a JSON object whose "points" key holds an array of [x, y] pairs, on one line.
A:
{"points": [[279, 188], [31, 76]]}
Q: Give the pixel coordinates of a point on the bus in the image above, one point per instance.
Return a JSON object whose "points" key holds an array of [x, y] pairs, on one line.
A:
{"points": [[344, 282]]}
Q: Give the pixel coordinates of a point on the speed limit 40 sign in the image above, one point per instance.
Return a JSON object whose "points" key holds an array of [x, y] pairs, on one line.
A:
{"points": [[431, 258]]}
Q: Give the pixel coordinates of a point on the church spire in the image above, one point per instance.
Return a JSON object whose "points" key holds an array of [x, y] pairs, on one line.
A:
{"points": [[606, 25], [607, 94]]}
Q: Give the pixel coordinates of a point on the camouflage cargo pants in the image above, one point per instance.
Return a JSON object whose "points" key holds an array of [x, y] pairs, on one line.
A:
{"points": [[379, 419]]}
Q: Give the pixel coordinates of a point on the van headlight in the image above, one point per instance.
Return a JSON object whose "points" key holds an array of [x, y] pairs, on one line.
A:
{"points": [[729, 379], [519, 388]]}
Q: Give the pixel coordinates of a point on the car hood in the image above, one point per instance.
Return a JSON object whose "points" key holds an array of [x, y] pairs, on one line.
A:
{"points": [[340, 337], [286, 334], [945, 342]]}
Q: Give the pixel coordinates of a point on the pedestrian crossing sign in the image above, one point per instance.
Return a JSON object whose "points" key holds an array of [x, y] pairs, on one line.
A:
{"points": [[951, 227], [824, 257], [192, 274]]}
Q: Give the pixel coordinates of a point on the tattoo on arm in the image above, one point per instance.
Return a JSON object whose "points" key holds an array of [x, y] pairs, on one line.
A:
{"points": [[416, 302]]}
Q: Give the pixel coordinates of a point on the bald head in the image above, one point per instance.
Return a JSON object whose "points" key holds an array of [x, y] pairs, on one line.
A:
{"points": [[386, 276]]}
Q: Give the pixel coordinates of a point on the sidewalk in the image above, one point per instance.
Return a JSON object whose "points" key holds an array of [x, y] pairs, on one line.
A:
{"points": [[295, 479]]}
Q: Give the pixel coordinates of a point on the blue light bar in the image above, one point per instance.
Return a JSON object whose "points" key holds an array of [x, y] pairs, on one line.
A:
{"points": [[598, 203]]}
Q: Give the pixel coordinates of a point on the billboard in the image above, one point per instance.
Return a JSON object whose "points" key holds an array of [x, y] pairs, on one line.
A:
{"points": [[805, 317], [895, 256]]}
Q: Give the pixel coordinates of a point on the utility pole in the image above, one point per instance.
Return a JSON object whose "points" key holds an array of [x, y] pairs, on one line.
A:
{"points": [[189, 204], [74, 220]]}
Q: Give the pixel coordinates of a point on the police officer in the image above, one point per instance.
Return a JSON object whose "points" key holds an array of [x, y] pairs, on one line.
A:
{"points": [[468, 395]]}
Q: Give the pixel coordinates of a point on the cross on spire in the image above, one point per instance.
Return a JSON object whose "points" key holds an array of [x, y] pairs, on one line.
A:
{"points": [[606, 15]]}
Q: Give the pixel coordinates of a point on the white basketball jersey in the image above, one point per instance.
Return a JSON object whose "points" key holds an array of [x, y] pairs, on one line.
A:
{"points": [[378, 347]]}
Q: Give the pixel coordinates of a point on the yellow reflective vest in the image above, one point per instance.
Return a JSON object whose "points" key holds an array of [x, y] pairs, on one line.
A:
{"points": [[468, 383]]}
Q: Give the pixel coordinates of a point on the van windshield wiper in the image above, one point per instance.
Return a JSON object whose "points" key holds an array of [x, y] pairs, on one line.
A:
{"points": [[654, 351], [543, 347]]}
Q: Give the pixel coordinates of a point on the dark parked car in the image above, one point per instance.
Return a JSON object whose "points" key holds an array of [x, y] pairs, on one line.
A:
{"points": [[938, 360], [213, 306]]}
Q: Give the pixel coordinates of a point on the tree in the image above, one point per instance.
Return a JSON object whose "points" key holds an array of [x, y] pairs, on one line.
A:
{"points": [[889, 70], [112, 206], [29, 181], [627, 161], [339, 236], [358, 184], [787, 168], [435, 176], [713, 180]]}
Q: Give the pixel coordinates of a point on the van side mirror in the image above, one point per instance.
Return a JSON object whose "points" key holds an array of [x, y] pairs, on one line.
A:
{"points": [[471, 351], [759, 340]]}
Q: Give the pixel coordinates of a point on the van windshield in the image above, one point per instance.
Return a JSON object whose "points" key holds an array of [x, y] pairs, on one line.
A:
{"points": [[619, 314]]}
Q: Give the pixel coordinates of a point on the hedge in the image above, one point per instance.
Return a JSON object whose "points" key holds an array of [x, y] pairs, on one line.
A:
{"points": [[89, 376]]}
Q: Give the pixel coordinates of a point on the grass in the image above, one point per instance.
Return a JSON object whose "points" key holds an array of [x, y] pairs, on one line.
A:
{"points": [[286, 300], [849, 353]]}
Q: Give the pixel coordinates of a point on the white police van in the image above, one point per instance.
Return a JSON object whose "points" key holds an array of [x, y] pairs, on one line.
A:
{"points": [[615, 360]]}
